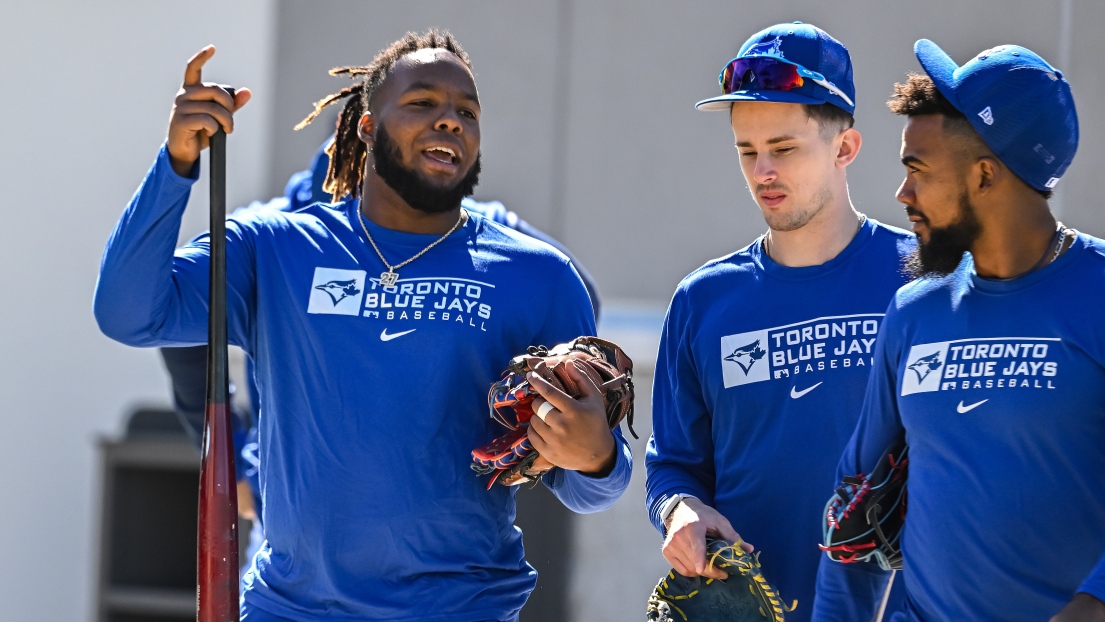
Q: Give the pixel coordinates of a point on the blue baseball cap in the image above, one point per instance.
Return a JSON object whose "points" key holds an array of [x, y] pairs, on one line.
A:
{"points": [[1019, 104], [820, 59]]}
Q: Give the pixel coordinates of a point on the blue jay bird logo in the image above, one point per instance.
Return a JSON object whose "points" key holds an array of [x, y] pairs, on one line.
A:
{"points": [[767, 48], [339, 290], [926, 365], [746, 356]]}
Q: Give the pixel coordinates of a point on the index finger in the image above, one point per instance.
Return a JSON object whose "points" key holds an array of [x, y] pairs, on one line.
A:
{"points": [[552, 394], [194, 71]]}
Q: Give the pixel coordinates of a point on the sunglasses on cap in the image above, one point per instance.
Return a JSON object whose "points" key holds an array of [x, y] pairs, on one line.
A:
{"points": [[771, 74]]}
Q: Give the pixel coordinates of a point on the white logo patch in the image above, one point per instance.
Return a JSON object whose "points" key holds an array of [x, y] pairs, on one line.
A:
{"points": [[987, 116], [337, 292], [742, 358], [1051, 183], [922, 368]]}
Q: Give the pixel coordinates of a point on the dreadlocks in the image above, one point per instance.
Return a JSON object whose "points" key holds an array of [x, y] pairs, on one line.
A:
{"points": [[347, 152]]}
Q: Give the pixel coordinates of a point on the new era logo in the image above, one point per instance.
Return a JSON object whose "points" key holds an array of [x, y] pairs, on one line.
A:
{"points": [[987, 116], [336, 291]]}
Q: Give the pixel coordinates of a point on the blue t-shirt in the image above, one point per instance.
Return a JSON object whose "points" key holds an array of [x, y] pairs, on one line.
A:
{"points": [[1000, 388], [760, 376], [373, 397]]}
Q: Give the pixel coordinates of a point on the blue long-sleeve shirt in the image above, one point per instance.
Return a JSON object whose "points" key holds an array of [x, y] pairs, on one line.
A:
{"points": [[373, 397], [1000, 388], [759, 380]]}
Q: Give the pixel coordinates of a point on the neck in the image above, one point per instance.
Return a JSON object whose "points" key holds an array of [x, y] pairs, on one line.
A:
{"points": [[819, 240], [1014, 239], [384, 207]]}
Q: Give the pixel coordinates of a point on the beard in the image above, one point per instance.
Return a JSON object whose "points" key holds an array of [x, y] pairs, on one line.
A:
{"points": [[799, 217], [419, 192], [941, 255]]}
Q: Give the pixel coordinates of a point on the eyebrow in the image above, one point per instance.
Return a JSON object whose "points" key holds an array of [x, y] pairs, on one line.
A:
{"points": [[426, 86], [912, 161], [770, 141]]}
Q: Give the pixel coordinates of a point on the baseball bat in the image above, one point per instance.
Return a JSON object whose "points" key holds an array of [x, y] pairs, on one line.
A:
{"points": [[217, 563]]}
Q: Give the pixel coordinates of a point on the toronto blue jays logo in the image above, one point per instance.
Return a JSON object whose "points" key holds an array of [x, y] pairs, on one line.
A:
{"points": [[766, 48], [926, 365], [746, 356], [339, 290]]}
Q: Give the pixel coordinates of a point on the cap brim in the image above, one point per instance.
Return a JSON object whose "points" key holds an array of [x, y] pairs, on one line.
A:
{"points": [[722, 102], [940, 67]]}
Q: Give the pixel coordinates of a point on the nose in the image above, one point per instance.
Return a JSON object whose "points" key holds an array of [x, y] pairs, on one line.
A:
{"points": [[449, 122], [764, 171], [905, 193]]}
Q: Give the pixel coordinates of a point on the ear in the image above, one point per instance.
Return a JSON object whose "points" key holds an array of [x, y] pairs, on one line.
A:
{"points": [[850, 142], [985, 175], [365, 127]]}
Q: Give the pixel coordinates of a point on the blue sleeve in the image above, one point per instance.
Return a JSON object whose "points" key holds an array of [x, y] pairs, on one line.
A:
{"points": [[147, 296], [1094, 585], [680, 454], [578, 492], [849, 591]]}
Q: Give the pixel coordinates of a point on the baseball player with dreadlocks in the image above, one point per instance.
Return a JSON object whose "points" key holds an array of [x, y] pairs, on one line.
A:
{"points": [[187, 366], [376, 325], [993, 364]]}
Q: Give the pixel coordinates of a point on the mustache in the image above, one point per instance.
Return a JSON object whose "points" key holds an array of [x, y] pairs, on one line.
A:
{"points": [[760, 188], [912, 211]]}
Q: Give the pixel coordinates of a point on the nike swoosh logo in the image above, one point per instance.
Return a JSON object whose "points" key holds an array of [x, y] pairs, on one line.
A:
{"points": [[962, 409], [384, 336], [795, 393]]}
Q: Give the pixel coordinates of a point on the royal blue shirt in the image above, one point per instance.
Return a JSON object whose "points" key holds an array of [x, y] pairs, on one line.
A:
{"points": [[1000, 388], [759, 380], [372, 398]]}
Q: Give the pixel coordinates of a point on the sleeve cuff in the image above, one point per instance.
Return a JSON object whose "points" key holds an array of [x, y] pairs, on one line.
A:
{"points": [[165, 165]]}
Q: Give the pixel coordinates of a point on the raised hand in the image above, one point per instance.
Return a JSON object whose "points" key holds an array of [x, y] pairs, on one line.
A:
{"points": [[199, 110], [685, 545], [574, 435]]}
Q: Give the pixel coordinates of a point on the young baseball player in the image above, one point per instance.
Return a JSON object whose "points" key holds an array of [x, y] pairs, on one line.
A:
{"points": [[995, 373], [765, 352], [376, 325]]}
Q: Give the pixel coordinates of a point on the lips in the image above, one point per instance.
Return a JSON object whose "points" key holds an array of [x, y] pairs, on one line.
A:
{"points": [[772, 199]]}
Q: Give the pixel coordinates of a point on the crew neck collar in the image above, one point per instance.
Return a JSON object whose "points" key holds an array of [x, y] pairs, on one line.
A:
{"points": [[768, 265], [392, 237], [1003, 287]]}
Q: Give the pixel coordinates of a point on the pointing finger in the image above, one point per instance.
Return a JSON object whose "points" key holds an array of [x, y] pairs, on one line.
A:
{"points": [[193, 73], [558, 398]]}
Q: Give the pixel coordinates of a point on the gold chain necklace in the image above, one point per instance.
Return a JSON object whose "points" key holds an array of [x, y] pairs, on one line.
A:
{"points": [[390, 277]]}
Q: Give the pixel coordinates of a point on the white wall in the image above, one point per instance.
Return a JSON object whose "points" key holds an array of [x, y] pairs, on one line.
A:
{"points": [[85, 99]]}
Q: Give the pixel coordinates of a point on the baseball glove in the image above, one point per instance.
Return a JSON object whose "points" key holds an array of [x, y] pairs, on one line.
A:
{"points": [[745, 596], [863, 521], [511, 458]]}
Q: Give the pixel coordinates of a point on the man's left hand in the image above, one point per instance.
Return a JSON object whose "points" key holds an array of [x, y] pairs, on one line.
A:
{"points": [[575, 435], [1081, 608]]}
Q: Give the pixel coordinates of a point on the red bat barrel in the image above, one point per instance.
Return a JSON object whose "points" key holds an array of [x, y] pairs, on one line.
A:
{"points": [[217, 563]]}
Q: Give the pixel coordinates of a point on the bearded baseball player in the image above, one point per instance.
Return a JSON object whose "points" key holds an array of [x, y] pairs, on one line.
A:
{"points": [[765, 352], [993, 371], [376, 325]]}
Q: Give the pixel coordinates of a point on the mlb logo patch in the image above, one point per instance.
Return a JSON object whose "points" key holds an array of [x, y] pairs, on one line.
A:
{"points": [[337, 292]]}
